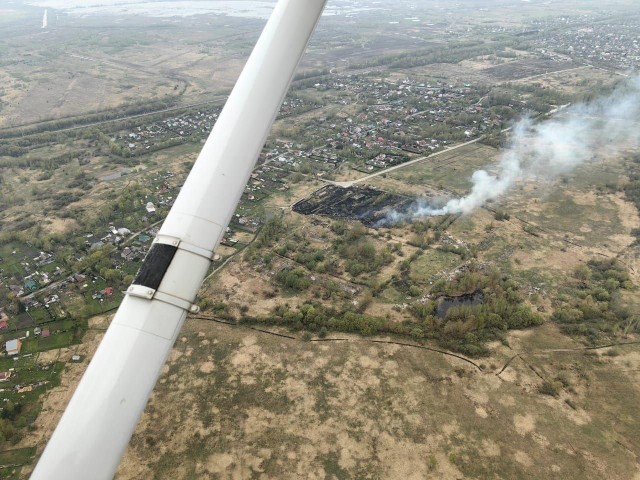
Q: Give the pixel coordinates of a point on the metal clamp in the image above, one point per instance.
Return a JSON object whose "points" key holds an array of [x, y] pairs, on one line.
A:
{"points": [[147, 293], [186, 246]]}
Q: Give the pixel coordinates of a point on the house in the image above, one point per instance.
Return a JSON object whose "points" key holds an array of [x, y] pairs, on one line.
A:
{"points": [[30, 302], [43, 259], [151, 208], [30, 284], [16, 290], [4, 320], [51, 299], [13, 347], [108, 291], [4, 376], [3, 325], [46, 332]]}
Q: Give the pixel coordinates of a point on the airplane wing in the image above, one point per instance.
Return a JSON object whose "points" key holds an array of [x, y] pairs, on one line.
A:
{"points": [[97, 425]]}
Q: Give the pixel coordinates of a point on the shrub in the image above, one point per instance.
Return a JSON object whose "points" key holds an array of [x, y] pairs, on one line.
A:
{"points": [[549, 388], [501, 215], [293, 279]]}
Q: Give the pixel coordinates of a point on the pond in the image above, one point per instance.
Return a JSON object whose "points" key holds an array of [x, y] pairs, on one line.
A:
{"points": [[446, 303]]}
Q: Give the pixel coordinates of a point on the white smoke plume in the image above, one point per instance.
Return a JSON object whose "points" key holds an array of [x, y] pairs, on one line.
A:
{"points": [[547, 149], [45, 22]]}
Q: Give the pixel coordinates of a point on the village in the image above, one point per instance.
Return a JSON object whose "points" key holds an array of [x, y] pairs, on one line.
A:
{"points": [[45, 298], [381, 122], [604, 43], [191, 126]]}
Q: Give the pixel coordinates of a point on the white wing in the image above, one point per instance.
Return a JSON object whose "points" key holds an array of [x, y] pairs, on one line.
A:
{"points": [[97, 425]]}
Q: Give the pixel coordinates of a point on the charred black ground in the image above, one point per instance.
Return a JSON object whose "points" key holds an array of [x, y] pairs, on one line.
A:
{"points": [[366, 204]]}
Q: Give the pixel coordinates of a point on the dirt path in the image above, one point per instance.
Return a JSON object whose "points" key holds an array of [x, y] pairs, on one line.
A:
{"points": [[135, 235], [563, 350], [403, 165], [541, 75]]}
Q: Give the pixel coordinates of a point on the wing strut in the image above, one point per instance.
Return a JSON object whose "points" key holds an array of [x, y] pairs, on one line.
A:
{"points": [[97, 425]]}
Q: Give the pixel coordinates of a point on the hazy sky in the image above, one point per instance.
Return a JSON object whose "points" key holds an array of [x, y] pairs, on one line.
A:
{"points": [[183, 8]]}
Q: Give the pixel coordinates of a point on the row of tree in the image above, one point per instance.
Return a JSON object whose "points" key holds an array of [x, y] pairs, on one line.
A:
{"points": [[465, 329]]}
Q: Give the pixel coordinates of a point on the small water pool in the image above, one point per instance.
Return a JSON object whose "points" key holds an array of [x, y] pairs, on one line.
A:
{"points": [[446, 303]]}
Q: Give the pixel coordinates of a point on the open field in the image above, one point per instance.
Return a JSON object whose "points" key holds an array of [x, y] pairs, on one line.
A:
{"points": [[450, 170], [78, 65], [273, 407], [263, 406]]}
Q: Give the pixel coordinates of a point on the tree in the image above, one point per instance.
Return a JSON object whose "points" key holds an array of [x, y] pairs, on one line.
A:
{"points": [[582, 273], [18, 306]]}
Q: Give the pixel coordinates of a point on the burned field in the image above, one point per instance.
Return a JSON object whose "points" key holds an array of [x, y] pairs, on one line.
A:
{"points": [[531, 67], [366, 204]]}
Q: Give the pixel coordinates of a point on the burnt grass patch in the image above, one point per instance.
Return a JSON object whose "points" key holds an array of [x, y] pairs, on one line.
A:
{"points": [[522, 69], [366, 204]]}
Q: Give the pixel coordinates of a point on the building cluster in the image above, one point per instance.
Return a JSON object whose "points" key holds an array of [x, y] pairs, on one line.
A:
{"points": [[146, 136], [27, 275], [188, 125], [386, 122], [409, 115], [608, 43], [143, 210], [293, 105]]}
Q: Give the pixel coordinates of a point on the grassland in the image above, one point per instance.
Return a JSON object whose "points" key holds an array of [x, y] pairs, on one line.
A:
{"points": [[263, 406], [450, 173], [272, 407]]}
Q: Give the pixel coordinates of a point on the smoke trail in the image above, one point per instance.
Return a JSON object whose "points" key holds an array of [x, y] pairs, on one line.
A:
{"points": [[44, 20], [544, 150]]}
